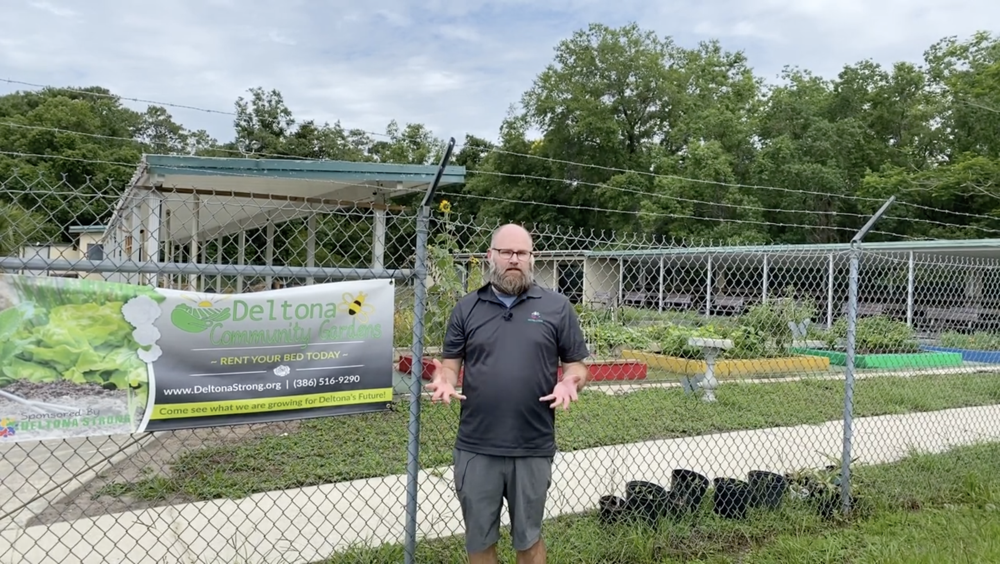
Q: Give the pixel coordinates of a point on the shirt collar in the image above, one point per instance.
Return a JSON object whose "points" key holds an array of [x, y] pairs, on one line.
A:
{"points": [[486, 292]]}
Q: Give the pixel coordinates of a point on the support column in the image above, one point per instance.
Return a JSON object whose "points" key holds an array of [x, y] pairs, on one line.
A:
{"points": [[220, 242], [708, 289], [829, 294], [241, 259], [168, 244], [910, 279], [621, 281], [135, 239], [269, 252], [378, 235], [661, 283], [311, 246], [154, 211], [193, 280], [767, 273]]}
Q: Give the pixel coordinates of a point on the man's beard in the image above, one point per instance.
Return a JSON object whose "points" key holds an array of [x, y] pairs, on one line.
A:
{"points": [[512, 282]]}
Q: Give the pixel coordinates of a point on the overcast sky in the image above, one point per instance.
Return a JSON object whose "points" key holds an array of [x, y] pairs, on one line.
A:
{"points": [[456, 66]]}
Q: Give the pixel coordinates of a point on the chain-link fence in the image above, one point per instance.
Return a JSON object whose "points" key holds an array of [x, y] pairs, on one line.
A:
{"points": [[721, 379]]}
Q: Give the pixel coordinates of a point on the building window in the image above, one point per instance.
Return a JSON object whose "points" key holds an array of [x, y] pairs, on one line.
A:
{"points": [[95, 252]]}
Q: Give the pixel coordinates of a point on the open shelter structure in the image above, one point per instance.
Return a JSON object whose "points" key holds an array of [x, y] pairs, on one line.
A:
{"points": [[939, 282], [184, 203]]}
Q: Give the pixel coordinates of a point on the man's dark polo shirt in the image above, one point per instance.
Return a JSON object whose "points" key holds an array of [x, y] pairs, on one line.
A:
{"points": [[511, 358]]}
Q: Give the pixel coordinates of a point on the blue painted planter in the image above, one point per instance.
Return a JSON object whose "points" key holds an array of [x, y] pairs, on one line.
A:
{"points": [[985, 357]]}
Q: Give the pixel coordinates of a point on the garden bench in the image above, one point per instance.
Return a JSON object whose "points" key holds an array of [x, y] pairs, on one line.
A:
{"points": [[710, 348], [635, 298], [678, 301], [952, 317], [867, 310], [728, 304], [603, 299]]}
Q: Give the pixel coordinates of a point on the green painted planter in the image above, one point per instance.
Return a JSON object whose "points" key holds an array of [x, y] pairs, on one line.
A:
{"points": [[890, 361]]}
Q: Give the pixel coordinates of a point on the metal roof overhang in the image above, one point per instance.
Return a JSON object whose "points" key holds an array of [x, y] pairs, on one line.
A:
{"points": [[221, 196]]}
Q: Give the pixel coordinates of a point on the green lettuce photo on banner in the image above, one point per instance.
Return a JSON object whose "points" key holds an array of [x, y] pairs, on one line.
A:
{"points": [[73, 356]]}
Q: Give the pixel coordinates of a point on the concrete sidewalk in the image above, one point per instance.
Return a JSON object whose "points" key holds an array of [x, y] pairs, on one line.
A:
{"points": [[308, 524], [41, 472]]}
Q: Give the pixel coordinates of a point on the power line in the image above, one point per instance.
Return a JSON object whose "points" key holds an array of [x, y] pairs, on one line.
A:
{"points": [[735, 184], [670, 197], [665, 214]]}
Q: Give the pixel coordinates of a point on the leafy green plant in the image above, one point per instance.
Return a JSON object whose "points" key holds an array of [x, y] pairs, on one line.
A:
{"points": [[978, 341], [875, 335], [772, 317], [445, 278], [73, 330]]}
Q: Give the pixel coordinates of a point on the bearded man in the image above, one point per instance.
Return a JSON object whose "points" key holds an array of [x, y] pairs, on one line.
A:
{"points": [[510, 336]]}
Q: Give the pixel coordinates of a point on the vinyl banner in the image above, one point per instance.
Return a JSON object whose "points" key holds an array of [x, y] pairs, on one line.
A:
{"points": [[83, 357]]}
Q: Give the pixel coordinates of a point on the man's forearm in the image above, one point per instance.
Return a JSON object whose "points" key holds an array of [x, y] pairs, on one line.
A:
{"points": [[450, 368], [577, 371]]}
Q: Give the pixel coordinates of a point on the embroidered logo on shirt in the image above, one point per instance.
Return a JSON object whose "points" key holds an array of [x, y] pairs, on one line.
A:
{"points": [[535, 317]]}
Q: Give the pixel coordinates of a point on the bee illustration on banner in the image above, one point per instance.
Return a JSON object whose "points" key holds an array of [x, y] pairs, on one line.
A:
{"points": [[356, 307]]}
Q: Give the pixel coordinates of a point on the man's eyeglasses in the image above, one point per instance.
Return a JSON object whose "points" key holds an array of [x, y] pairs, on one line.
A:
{"points": [[506, 254]]}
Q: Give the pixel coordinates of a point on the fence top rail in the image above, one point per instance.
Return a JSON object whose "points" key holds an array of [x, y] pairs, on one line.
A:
{"points": [[179, 268], [979, 248]]}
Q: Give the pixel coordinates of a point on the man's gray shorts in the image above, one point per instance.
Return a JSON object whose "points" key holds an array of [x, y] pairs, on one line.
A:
{"points": [[482, 482]]}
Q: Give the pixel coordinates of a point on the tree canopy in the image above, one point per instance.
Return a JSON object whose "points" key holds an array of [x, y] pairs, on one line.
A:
{"points": [[662, 139]]}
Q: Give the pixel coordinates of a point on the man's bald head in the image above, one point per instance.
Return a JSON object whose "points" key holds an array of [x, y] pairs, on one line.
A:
{"points": [[511, 260], [511, 236]]}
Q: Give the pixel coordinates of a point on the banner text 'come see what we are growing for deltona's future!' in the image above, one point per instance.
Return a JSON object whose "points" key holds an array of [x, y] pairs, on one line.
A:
{"points": [[82, 357]]}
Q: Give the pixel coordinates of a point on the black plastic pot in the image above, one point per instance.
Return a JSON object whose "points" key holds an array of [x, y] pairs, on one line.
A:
{"points": [[612, 509], [767, 489], [828, 503], [688, 488], [646, 501], [731, 499]]}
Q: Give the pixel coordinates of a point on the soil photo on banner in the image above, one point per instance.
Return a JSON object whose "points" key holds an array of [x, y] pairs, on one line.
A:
{"points": [[71, 364]]}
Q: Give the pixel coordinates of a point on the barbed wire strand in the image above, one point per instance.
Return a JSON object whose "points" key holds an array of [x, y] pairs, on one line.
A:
{"points": [[669, 215], [499, 150], [140, 142], [507, 200], [723, 204], [143, 101], [575, 182], [734, 184]]}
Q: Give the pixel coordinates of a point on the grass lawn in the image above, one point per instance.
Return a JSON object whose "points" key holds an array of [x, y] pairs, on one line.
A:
{"points": [[924, 509], [336, 449]]}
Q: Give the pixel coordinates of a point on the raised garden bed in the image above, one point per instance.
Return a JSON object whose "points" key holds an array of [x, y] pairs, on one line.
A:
{"points": [[880, 343], [968, 355], [600, 371], [981, 346], [731, 368], [889, 361]]}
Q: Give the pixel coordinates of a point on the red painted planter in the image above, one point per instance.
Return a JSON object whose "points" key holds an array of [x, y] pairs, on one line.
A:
{"points": [[618, 370]]}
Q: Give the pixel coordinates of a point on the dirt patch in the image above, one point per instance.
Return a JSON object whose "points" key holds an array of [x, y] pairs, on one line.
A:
{"points": [[154, 459]]}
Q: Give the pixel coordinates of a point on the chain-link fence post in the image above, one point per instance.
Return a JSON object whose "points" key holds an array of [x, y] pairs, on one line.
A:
{"points": [[416, 374], [852, 321]]}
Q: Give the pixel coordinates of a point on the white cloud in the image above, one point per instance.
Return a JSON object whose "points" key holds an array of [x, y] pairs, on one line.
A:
{"points": [[456, 67]]}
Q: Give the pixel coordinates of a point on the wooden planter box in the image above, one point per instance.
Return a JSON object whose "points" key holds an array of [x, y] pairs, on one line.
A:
{"points": [[600, 371], [732, 369], [890, 361]]}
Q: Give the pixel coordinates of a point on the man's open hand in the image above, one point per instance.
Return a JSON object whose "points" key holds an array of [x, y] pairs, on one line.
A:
{"points": [[563, 394], [442, 390]]}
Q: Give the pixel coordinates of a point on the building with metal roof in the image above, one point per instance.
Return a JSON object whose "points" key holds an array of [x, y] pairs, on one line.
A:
{"points": [[186, 201]]}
